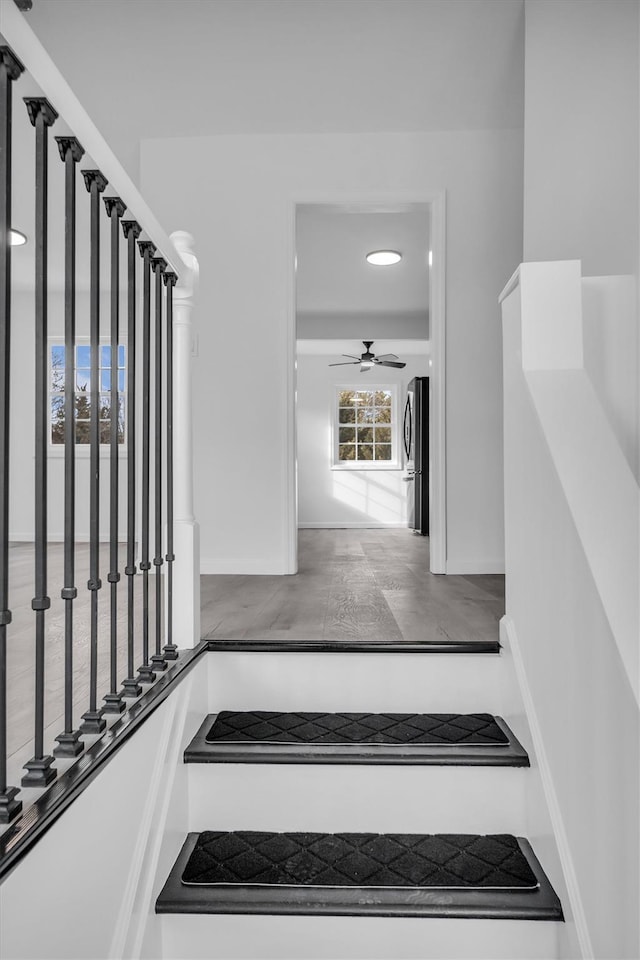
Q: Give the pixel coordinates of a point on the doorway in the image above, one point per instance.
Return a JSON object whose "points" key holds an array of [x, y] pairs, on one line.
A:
{"points": [[345, 305]]}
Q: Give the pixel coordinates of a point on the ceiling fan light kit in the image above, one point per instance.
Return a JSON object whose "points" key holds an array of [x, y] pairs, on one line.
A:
{"points": [[367, 360]]}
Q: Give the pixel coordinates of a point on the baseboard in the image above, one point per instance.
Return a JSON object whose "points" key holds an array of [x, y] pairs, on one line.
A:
{"points": [[243, 567], [339, 525], [509, 637], [469, 567]]}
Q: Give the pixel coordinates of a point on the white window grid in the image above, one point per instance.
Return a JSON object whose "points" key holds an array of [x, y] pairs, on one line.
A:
{"points": [[82, 379], [365, 427]]}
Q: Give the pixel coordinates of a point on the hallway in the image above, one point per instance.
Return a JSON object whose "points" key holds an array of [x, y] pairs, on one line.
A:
{"points": [[354, 585]]}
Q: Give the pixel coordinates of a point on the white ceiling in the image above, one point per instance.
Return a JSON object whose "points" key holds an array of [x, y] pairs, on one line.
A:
{"points": [[144, 68], [333, 275]]}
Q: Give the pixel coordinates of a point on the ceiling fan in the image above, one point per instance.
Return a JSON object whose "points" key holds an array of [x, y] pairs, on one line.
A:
{"points": [[367, 360]]}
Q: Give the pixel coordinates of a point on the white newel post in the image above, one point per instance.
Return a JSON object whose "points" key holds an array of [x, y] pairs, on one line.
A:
{"points": [[186, 596]]}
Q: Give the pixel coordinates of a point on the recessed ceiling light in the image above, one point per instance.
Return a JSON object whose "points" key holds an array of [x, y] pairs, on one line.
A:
{"points": [[16, 239], [383, 258]]}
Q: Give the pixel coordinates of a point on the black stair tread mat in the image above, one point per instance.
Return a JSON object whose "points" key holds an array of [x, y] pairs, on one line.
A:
{"points": [[388, 729], [416, 861], [540, 904]]}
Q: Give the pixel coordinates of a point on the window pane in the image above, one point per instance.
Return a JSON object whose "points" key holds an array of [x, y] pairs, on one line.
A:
{"points": [[105, 406], [347, 434], [365, 451], [383, 415], [83, 356], [121, 418], [365, 414], [105, 431], [383, 398], [383, 434], [105, 356], [57, 367], [83, 406], [345, 397], [57, 420], [365, 434], [365, 397], [105, 380], [121, 355], [83, 380], [346, 415], [121, 376], [347, 451], [82, 431], [383, 451]]}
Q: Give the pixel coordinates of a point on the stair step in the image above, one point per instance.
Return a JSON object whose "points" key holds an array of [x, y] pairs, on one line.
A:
{"points": [[256, 736], [356, 646], [392, 875]]}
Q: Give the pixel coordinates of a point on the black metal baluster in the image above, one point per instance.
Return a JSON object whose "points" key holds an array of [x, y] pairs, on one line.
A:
{"points": [[10, 70], [146, 673], [170, 649], [115, 209], [70, 153], [130, 686], [42, 116], [159, 266], [95, 182]]}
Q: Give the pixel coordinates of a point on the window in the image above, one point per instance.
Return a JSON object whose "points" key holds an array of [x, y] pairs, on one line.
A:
{"points": [[366, 428], [82, 369]]}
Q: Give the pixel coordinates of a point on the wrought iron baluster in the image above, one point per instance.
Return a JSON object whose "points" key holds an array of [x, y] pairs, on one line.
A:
{"points": [[39, 769], [115, 209], [170, 649], [70, 153], [159, 266], [95, 182], [130, 686], [10, 70], [146, 672]]}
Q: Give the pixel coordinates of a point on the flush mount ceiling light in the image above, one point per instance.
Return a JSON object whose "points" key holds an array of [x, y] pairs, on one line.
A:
{"points": [[383, 258], [16, 239]]}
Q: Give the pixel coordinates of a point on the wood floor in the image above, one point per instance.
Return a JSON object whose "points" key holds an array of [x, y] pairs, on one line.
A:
{"points": [[355, 585]]}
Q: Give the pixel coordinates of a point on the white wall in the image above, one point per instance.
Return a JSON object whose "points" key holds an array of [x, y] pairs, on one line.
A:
{"points": [[110, 852], [581, 134], [562, 617], [236, 194], [343, 498]]}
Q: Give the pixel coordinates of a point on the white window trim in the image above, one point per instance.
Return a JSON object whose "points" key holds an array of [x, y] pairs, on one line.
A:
{"points": [[83, 450], [396, 457]]}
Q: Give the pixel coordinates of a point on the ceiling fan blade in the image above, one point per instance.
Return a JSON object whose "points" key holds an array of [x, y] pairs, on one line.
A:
{"points": [[390, 363], [346, 363], [386, 356], [351, 356]]}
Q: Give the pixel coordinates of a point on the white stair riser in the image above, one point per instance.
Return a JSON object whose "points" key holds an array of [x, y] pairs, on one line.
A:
{"points": [[336, 798], [354, 938], [354, 682]]}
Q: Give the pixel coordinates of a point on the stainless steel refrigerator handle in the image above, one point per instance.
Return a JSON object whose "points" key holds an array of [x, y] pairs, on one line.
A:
{"points": [[407, 410]]}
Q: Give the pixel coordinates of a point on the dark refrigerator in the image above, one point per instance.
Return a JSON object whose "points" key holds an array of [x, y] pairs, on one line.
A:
{"points": [[416, 448]]}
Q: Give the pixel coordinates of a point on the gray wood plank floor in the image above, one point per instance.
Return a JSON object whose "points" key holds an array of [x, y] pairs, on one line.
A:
{"points": [[354, 585]]}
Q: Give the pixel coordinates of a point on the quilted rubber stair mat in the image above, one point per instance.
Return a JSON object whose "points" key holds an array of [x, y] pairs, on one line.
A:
{"points": [[286, 737], [359, 859], [370, 728], [355, 874]]}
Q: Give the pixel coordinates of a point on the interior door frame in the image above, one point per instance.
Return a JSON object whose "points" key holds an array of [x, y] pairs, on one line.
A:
{"points": [[436, 201]]}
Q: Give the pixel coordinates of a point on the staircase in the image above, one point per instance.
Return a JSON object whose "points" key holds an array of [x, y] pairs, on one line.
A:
{"points": [[318, 828]]}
